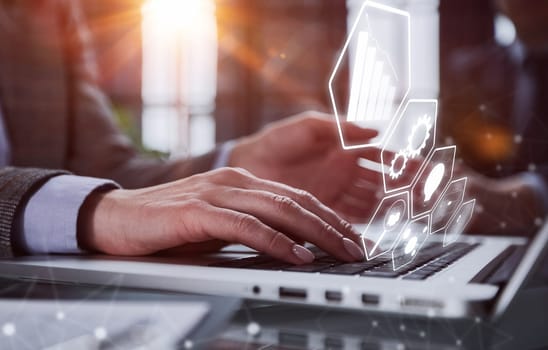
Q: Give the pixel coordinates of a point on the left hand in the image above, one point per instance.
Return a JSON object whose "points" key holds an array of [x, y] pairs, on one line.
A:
{"points": [[305, 152]]}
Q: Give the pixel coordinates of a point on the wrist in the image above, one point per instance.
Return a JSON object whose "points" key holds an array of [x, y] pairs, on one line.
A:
{"points": [[93, 221], [240, 153]]}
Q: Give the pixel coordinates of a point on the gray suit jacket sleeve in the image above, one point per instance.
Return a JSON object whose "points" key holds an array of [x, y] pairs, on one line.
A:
{"points": [[16, 185], [97, 147]]}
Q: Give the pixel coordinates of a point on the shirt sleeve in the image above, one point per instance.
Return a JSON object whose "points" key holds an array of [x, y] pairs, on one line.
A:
{"points": [[538, 183], [223, 156], [50, 217]]}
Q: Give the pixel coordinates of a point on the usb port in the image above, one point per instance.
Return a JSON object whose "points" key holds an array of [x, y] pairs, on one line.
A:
{"points": [[293, 340], [333, 295], [370, 299], [292, 293]]}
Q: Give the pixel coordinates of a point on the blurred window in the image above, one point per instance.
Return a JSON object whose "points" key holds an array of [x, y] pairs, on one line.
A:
{"points": [[179, 41]]}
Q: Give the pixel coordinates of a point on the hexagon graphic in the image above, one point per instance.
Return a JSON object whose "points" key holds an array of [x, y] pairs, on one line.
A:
{"points": [[378, 69], [410, 241], [458, 222], [448, 204], [409, 144], [432, 180], [386, 223]]}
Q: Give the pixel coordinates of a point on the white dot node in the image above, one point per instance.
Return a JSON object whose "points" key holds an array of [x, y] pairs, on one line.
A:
{"points": [[538, 221], [478, 320], [499, 167], [188, 344], [514, 194], [503, 225], [253, 329], [402, 327], [400, 346], [8, 329], [422, 334], [532, 167], [100, 333], [482, 107], [458, 342], [60, 315], [518, 139], [431, 313], [375, 323]]}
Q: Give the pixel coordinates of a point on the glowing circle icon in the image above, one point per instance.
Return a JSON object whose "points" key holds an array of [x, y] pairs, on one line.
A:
{"points": [[410, 242], [386, 224], [411, 246], [394, 215]]}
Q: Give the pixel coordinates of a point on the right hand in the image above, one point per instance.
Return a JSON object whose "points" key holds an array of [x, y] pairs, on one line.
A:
{"points": [[228, 204]]}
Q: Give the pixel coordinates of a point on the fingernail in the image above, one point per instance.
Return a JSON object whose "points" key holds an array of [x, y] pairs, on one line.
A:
{"points": [[353, 249], [303, 254]]}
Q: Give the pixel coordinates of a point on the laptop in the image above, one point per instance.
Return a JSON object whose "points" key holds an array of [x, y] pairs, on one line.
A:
{"points": [[475, 276]]}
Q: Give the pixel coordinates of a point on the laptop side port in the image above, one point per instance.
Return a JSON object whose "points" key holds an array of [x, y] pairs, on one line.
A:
{"points": [[422, 303], [293, 340], [370, 299], [333, 295], [292, 293], [333, 343]]}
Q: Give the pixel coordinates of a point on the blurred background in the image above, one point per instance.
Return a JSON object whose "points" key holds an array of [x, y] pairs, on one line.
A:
{"points": [[184, 75]]}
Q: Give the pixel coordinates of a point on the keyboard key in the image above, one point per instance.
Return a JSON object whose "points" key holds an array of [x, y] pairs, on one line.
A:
{"points": [[415, 276], [347, 269], [313, 267], [272, 266], [385, 274]]}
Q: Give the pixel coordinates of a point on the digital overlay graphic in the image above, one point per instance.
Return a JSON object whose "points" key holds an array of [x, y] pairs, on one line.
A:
{"points": [[421, 197]]}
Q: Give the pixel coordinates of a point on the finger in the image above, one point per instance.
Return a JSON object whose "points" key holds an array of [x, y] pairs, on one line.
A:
{"points": [[286, 215], [234, 226], [313, 205], [323, 127], [356, 134], [374, 154], [240, 178], [369, 176], [363, 191], [358, 210]]}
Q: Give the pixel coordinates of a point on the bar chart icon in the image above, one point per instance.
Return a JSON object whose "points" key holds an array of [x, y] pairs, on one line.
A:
{"points": [[373, 89]]}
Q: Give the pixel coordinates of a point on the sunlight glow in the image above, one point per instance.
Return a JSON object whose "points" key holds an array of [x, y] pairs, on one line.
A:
{"points": [[175, 16]]}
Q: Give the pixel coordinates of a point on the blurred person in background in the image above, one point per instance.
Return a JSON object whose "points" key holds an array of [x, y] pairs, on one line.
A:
{"points": [[495, 108]]}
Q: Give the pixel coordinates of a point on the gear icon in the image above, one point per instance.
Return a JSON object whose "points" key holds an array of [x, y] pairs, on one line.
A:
{"points": [[398, 164], [414, 149]]}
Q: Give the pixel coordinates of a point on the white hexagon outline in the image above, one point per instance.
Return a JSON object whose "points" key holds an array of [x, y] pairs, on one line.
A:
{"points": [[473, 201], [423, 169], [428, 233], [438, 203], [391, 132], [408, 208], [382, 7]]}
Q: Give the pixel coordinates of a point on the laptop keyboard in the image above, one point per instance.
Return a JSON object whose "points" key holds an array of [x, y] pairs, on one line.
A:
{"points": [[432, 259]]}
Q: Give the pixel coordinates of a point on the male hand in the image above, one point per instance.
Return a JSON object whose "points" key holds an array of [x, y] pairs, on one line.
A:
{"points": [[228, 205], [305, 152]]}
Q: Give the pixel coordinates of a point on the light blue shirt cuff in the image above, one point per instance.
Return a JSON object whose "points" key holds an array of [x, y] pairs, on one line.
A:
{"points": [[50, 217], [538, 183], [223, 156]]}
